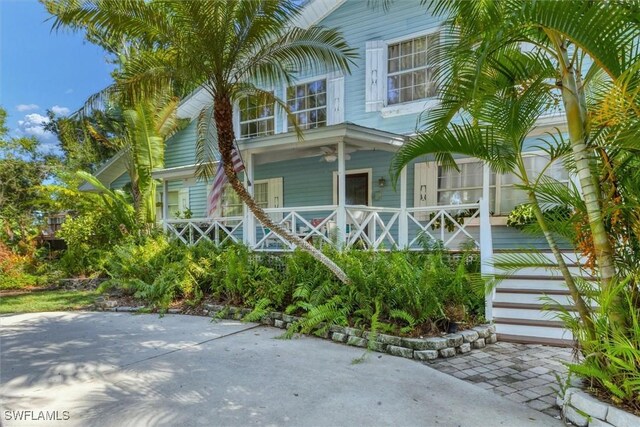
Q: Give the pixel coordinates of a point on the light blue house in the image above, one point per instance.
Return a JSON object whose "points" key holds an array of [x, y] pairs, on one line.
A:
{"points": [[334, 186]]}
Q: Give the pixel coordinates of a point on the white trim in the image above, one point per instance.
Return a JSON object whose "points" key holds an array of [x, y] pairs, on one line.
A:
{"points": [[415, 35], [412, 107], [368, 171]]}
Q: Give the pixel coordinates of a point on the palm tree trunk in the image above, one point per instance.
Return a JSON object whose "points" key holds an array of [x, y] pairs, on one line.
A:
{"points": [[224, 123], [583, 310], [577, 126]]}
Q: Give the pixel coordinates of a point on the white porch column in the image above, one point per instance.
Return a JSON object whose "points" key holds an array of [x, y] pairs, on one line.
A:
{"points": [[249, 229], [342, 187], [486, 179], [403, 221], [486, 240], [165, 203]]}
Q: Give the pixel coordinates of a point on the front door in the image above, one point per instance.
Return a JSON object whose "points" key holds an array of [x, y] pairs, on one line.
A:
{"points": [[357, 189]]}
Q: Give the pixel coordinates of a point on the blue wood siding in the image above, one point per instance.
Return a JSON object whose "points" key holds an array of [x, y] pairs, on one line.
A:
{"points": [[180, 149], [121, 181]]}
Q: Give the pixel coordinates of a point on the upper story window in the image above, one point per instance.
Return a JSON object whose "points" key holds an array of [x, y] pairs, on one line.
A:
{"points": [[308, 101], [411, 69], [256, 117]]}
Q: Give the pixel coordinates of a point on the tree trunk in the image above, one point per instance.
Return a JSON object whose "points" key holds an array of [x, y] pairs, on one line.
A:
{"points": [[577, 127], [224, 123], [583, 310]]}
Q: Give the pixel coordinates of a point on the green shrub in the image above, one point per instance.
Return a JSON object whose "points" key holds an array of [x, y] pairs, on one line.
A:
{"points": [[398, 291], [522, 215], [611, 362]]}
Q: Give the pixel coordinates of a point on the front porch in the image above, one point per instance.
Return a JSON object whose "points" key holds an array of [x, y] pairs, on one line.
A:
{"points": [[332, 188]]}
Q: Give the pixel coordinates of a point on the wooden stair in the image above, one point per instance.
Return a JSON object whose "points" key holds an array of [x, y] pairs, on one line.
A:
{"points": [[526, 304]]}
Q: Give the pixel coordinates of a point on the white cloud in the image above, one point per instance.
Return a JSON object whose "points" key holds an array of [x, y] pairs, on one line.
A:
{"points": [[68, 91], [26, 107], [33, 125], [60, 111]]}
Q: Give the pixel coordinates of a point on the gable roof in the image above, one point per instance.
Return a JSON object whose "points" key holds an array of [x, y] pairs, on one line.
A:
{"points": [[110, 171]]}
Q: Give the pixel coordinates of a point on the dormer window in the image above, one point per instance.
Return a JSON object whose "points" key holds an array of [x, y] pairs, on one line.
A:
{"points": [[308, 102], [411, 69], [256, 117]]}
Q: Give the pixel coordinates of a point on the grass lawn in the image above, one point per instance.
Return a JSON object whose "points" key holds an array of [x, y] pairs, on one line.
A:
{"points": [[46, 301]]}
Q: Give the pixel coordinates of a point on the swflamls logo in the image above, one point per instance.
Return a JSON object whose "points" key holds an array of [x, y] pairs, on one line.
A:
{"points": [[36, 415]]}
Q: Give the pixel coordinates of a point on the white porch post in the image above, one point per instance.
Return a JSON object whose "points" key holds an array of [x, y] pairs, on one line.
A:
{"points": [[486, 240], [249, 229], [165, 203], [342, 187], [403, 224]]}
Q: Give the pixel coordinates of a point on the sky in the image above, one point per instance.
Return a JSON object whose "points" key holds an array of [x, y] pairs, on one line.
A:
{"points": [[41, 69]]}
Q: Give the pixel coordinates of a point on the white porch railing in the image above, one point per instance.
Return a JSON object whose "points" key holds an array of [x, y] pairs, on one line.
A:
{"points": [[315, 224], [372, 227], [218, 230], [450, 224], [366, 227]]}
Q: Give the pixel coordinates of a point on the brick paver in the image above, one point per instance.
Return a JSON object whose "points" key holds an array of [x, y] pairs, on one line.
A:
{"points": [[525, 373]]}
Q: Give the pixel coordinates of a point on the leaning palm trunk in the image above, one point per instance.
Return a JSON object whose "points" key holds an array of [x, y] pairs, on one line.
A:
{"points": [[576, 121], [224, 124], [583, 310]]}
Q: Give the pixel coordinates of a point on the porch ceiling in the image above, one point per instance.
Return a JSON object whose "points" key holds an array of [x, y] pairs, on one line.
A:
{"points": [[287, 146]]}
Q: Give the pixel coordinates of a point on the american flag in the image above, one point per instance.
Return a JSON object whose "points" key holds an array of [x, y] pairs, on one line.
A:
{"points": [[213, 199]]}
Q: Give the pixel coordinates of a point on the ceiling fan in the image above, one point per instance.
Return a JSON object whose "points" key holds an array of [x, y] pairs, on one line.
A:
{"points": [[330, 154]]}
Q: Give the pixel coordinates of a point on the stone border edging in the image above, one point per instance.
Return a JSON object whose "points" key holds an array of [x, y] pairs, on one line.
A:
{"points": [[412, 348], [423, 349], [584, 410]]}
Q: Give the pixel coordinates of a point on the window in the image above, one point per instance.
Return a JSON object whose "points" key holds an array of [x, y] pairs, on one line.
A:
{"points": [[256, 117], [267, 194], [435, 185], [511, 196], [411, 69], [464, 186], [308, 102], [178, 203], [230, 203]]}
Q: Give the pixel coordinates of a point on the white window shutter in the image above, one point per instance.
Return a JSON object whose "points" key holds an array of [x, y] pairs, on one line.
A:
{"points": [[425, 187], [375, 75], [335, 100], [183, 199], [275, 196]]}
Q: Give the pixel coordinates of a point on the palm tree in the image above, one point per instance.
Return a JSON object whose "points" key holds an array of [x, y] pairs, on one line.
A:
{"points": [[499, 104], [569, 34], [232, 48], [148, 124]]}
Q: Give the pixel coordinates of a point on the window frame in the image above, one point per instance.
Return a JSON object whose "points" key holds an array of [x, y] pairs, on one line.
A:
{"points": [[239, 122], [311, 79], [410, 107], [425, 35]]}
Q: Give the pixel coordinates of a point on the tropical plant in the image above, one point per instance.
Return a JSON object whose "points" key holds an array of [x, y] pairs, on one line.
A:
{"points": [[571, 36], [149, 123], [500, 102], [233, 49]]}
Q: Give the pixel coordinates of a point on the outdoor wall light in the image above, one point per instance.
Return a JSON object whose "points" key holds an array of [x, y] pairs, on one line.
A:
{"points": [[382, 182]]}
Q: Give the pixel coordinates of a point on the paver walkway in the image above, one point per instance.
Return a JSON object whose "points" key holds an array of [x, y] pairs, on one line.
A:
{"points": [[524, 373]]}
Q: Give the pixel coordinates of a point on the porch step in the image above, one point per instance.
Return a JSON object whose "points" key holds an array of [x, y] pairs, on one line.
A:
{"points": [[534, 331], [523, 303], [522, 339], [532, 296]]}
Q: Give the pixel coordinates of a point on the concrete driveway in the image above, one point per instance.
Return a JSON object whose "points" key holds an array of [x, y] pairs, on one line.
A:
{"points": [[119, 369]]}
